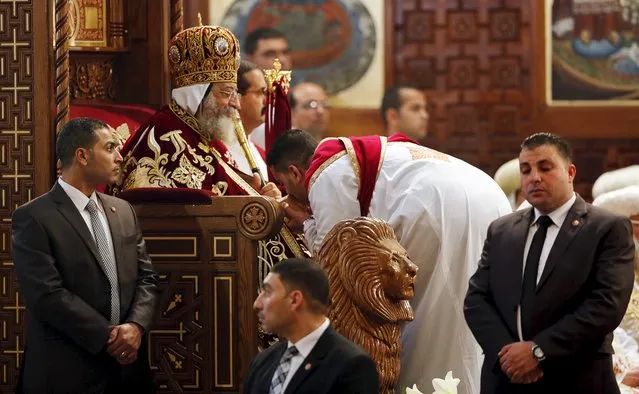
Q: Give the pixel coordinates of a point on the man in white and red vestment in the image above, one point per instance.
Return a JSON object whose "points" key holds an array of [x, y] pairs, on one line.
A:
{"points": [[439, 207], [191, 143]]}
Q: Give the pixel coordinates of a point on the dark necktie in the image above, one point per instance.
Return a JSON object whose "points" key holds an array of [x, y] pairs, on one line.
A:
{"points": [[279, 377], [110, 266], [529, 284]]}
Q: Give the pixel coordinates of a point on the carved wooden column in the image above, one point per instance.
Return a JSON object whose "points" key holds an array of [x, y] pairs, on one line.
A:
{"points": [[116, 25], [62, 34]]}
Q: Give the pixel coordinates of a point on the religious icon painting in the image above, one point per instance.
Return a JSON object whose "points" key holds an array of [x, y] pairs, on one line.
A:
{"points": [[332, 42], [592, 52]]}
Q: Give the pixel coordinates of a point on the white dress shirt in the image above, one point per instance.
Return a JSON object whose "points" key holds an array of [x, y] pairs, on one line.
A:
{"points": [[304, 347], [80, 200], [557, 216]]}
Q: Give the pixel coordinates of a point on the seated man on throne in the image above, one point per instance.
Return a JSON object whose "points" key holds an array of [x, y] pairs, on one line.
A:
{"points": [[192, 143]]}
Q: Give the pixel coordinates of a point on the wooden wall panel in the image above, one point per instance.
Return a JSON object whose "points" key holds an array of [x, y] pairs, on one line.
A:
{"points": [[481, 65], [20, 72]]}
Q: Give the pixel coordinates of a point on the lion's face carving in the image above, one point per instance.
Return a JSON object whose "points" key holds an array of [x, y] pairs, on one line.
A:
{"points": [[365, 262], [397, 271]]}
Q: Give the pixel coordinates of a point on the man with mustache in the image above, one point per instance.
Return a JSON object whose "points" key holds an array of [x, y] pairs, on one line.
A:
{"points": [[553, 282], [251, 85], [191, 143]]}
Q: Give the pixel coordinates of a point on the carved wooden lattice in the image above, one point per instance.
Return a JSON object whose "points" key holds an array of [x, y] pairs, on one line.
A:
{"points": [[475, 60], [16, 168]]}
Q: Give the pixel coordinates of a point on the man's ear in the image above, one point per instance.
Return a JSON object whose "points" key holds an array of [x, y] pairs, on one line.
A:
{"points": [[82, 156], [296, 172], [392, 114], [297, 298], [572, 172]]}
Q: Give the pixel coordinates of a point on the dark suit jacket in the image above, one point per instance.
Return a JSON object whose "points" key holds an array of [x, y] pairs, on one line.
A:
{"points": [[67, 293], [581, 297], [336, 366]]}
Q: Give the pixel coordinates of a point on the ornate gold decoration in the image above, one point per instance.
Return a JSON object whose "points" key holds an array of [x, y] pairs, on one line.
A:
{"points": [[122, 133], [191, 122], [422, 152], [188, 174], [323, 166], [371, 280], [62, 34], [88, 19], [254, 218], [204, 54], [277, 76], [92, 79]]}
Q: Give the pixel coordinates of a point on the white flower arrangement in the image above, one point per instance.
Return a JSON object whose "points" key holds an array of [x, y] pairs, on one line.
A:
{"points": [[448, 385]]}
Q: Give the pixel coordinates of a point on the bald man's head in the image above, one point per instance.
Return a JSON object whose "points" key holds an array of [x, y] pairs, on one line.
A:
{"points": [[309, 108]]}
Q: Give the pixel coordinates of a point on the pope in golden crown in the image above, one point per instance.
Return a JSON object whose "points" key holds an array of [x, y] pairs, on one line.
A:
{"points": [[192, 143]]}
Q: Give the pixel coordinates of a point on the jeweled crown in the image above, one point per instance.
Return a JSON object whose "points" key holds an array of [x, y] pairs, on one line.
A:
{"points": [[204, 54]]}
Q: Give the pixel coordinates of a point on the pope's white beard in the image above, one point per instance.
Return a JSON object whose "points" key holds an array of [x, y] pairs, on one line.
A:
{"points": [[217, 124]]}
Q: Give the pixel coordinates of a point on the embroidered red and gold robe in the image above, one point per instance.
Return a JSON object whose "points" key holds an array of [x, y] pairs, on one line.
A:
{"points": [[170, 152]]}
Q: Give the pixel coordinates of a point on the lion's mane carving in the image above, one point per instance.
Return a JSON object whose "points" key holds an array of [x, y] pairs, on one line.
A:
{"points": [[371, 280]]}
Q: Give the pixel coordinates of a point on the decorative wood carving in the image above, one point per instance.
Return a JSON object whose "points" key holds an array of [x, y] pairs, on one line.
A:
{"points": [[205, 334], [371, 280], [17, 166], [92, 77], [117, 31], [481, 66], [62, 35]]}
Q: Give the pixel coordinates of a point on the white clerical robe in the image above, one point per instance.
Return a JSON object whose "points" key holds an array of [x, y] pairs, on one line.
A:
{"points": [[440, 208]]}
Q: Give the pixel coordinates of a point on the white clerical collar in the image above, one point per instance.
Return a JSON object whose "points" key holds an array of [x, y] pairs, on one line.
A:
{"points": [[306, 344], [558, 215], [79, 199]]}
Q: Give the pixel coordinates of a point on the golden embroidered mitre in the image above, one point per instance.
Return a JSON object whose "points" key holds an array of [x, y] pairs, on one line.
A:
{"points": [[204, 54]]}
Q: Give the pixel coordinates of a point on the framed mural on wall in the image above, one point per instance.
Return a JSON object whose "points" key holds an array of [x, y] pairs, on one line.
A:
{"points": [[592, 52], [335, 43]]}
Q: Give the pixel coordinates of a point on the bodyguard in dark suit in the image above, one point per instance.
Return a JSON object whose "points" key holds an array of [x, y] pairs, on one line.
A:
{"points": [[83, 270], [315, 359], [552, 284]]}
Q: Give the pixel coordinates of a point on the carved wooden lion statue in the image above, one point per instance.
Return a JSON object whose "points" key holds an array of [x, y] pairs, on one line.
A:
{"points": [[371, 280]]}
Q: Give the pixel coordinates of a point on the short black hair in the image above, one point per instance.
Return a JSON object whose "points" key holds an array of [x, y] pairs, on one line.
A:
{"points": [[261, 33], [242, 82], [295, 146], [538, 139], [76, 133], [306, 276], [392, 99]]}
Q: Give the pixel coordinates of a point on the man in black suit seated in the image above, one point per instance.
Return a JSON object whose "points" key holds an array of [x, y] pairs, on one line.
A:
{"points": [[293, 304]]}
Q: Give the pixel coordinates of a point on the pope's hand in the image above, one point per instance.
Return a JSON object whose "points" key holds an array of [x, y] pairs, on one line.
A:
{"points": [[269, 190], [296, 213]]}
